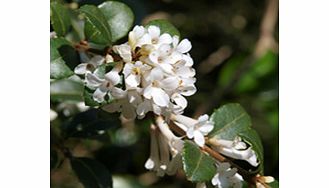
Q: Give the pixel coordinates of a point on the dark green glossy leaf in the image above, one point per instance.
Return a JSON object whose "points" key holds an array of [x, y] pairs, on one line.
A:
{"points": [[62, 57], [198, 166], [91, 124], [66, 90], [60, 19], [91, 173], [165, 27], [119, 17], [232, 120], [96, 28]]}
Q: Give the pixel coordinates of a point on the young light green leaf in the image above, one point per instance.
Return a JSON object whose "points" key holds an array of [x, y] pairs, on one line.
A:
{"points": [[58, 67], [231, 120], [198, 166], [119, 17], [60, 19], [165, 27], [91, 173], [66, 90], [96, 28]]}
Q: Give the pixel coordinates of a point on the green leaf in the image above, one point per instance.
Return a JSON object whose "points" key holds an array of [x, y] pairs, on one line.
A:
{"points": [[91, 124], [229, 120], [232, 120], [60, 19], [198, 166], [88, 97], [250, 80], [96, 28], [66, 90], [274, 184], [119, 17], [61, 52], [165, 27], [91, 173]]}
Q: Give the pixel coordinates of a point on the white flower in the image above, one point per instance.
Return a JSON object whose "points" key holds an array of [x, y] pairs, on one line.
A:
{"points": [[226, 177], [90, 65], [236, 149], [196, 129], [157, 74], [133, 73], [124, 50], [103, 85]]}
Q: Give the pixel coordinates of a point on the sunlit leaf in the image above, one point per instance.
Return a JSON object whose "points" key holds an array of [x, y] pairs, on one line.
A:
{"points": [[119, 17], [96, 27]]}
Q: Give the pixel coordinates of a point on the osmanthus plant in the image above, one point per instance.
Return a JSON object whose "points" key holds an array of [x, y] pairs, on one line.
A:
{"points": [[149, 74]]}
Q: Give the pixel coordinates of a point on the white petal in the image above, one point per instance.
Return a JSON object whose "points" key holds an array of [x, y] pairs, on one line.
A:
{"points": [[188, 91], [97, 60], [92, 80], [184, 46], [154, 56], [207, 128], [214, 180], [170, 83], [113, 77], [160, 97], [180, 100], [118, 93], [81, 68], [199, 138], [148, 92], [167, 68], [188, 60], [154, 31], [175, 40], [134, 97], [133, 80], [165, 39], [156, 74], [190, 132], [146, 39], [164, 50], [203, 118], [149, 165], [99, 95], [127, 69]]}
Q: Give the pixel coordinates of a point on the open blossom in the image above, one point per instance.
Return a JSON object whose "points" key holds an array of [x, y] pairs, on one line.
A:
{"points": [[195, 129], [236, 149], [226, 177]]}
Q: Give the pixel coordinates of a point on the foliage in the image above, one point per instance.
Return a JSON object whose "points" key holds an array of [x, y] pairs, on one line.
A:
{"points": [[88, 126]]}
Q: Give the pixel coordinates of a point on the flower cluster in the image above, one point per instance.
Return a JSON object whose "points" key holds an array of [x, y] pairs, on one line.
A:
{"points": [[152, 72]]}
